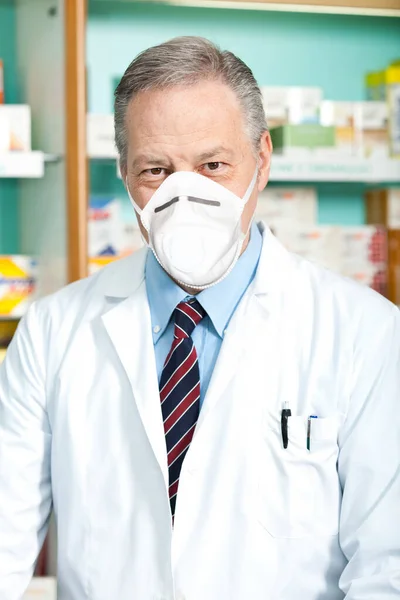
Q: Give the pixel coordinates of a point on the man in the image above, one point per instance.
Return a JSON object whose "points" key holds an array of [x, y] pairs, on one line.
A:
{"points": [[207, 426]]}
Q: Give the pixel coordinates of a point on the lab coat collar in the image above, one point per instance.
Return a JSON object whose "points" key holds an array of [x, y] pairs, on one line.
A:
{"points": [[122, 278], [275, 266]]}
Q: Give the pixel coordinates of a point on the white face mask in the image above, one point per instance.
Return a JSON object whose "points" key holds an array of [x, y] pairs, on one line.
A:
{"points": [[194, 227]]}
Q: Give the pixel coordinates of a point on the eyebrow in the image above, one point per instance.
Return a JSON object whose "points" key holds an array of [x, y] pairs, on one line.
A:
{"points": [[214, 152], [147, 158], [157, 160]]}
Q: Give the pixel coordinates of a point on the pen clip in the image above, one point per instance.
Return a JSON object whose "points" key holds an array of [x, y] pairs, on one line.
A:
{"points": [[309, 430], [286, 413]]}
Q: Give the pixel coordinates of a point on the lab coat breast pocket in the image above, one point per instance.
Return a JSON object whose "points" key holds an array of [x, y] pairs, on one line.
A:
{"points": [[299, 492]]}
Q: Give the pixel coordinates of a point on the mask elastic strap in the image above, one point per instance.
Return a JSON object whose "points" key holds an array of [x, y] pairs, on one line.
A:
{"points": [[250, 189], [135, 206]]}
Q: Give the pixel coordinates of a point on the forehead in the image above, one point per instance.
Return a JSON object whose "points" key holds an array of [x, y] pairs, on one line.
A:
{"points": [[186, 115]]}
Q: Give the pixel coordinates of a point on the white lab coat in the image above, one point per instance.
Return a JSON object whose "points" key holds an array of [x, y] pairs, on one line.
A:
{"points": [[80, 423]]}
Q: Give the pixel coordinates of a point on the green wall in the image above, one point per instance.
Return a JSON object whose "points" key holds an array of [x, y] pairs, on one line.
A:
{"points": [[8, 187], [330, 51]]}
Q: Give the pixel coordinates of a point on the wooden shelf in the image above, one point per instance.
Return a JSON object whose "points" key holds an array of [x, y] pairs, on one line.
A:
{"points": [[384, 8], [340, 169], [25, 165], [314, 170]]}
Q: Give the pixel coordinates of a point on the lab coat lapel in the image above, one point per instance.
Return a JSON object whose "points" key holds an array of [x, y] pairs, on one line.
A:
{"points": [[251, 327], [129, 327], [250, 323]]}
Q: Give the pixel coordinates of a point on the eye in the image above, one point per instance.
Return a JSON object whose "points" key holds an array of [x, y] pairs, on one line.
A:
{"points": [[155, 171], [213, 166]]}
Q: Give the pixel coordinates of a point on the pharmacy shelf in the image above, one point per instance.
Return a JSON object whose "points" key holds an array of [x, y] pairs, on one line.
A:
{"points": [[25, 164], [335, 170], [373, 8], [313, 170]]}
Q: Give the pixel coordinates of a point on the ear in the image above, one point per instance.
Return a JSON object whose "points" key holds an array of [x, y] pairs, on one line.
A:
{"points": [[123, 171], [265, 154]]}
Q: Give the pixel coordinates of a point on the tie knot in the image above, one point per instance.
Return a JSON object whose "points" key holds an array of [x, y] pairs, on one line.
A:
{"points": [[187, 316]]}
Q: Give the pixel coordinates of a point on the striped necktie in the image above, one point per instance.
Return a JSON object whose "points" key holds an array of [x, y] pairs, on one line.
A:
{"points": [[180, 391]]}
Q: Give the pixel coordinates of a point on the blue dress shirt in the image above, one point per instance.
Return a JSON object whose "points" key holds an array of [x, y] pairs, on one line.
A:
{"points": [[219, 301]]}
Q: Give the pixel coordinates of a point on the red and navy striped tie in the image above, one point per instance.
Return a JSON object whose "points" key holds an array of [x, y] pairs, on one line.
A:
{"points": [[180, 391]]}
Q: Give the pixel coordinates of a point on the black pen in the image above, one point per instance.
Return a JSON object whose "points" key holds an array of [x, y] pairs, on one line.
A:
{"points": [[286, 413]]}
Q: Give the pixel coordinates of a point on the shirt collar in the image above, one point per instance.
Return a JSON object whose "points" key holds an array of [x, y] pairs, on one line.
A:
{"points": [[219, 301]]}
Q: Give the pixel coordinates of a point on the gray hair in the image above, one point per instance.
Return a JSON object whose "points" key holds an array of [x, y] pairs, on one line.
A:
{"points": [[186, 61]]}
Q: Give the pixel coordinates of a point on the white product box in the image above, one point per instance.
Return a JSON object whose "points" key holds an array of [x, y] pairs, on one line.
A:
{"points": [[41, 588], [18, 284], [104, 226], [337, 114], [294, 105], [17, 135], [319, 244], [371, 126], [275, 100], [100, 136], [113, 230], [5, 133], [287, 207], [362, 246], [364, 256], [304, 104], [341, 116]]}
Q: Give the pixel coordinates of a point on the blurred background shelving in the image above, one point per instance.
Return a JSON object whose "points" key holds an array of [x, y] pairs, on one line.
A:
{"points": [[63, 60]]}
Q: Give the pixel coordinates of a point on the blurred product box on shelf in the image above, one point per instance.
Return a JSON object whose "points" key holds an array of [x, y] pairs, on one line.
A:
{"points": [[18, 277], [291, 105], [382, 207], [15, 127], [103, 226], [275, 105], [1, 81], [366, 244], [340, 115], [7, 330], [287, 207], [4, 133], [385, 86], [393, 100], [2, 354], [356, 252], [303, 105], [375, 85], [100, 136], [41, 588], [303, 140], [361, 128], [364, 256], [319, 244], [371, 129], [113, 231]]}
